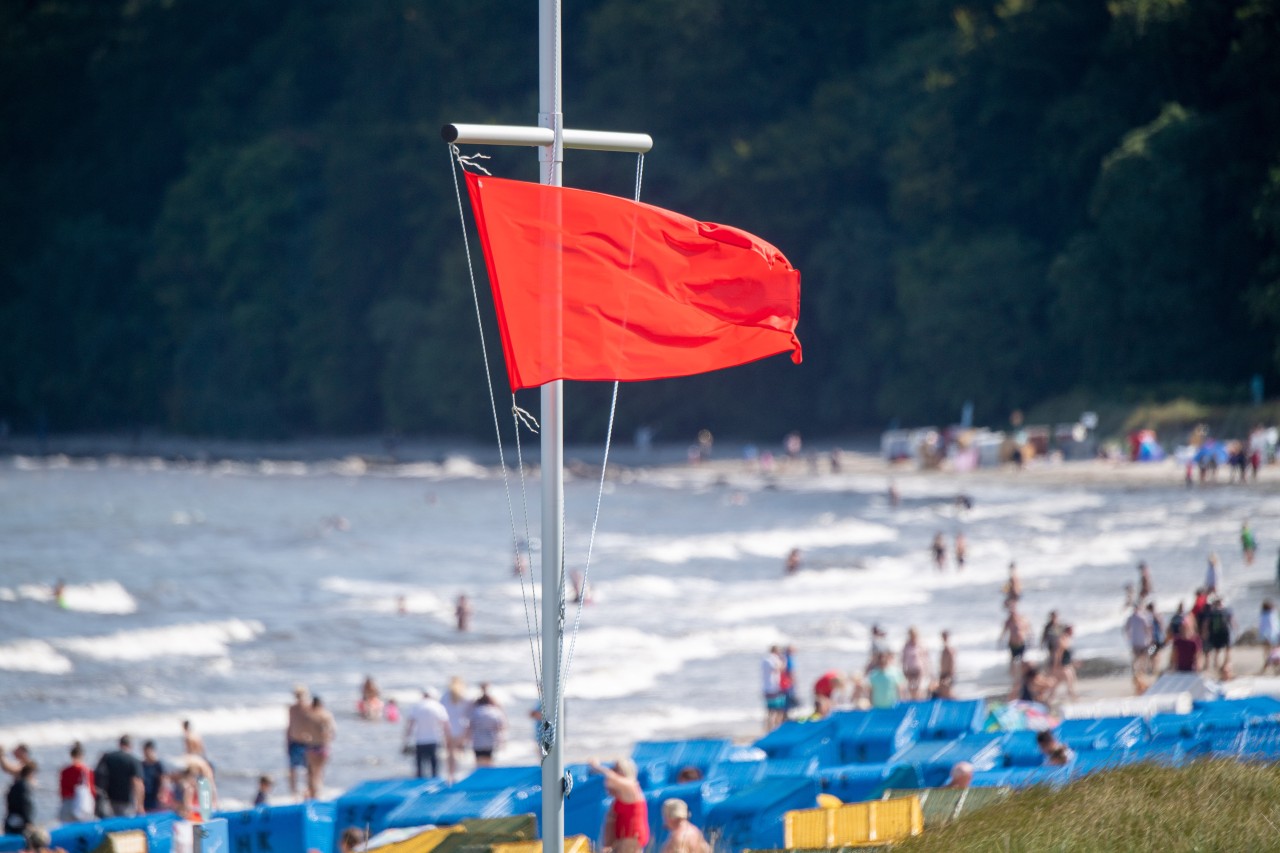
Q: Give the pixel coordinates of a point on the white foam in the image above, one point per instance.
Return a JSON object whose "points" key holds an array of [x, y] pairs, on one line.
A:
{"points": [[736, 545], [200, 639], [596, 674], [33, 656], [210, 721], [385, 597], [99, 597]]}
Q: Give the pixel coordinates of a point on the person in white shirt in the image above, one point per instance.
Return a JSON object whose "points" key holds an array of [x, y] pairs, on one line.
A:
{"points": [[425, 726]]}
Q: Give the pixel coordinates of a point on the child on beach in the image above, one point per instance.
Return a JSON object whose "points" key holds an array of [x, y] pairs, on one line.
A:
{"points": [[265, 784]]}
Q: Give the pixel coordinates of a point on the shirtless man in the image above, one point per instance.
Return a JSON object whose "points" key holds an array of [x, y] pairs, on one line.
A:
{"points": [[297, 734], [192, 743], [684, 837], [1017, 629]]}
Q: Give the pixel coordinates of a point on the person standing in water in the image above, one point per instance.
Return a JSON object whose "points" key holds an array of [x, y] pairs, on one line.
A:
{"points": [[1013, 586], [939, 552], [1248, 543], [462, 611], [1145, 587], [1016, 629], [962, 551]]}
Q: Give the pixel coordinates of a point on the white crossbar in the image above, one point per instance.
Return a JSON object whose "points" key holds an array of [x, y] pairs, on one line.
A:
{"points": [[506, 134]]}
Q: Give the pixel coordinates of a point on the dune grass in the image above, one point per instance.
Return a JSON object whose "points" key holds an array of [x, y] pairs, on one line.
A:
{"points": [[1205, 806]]}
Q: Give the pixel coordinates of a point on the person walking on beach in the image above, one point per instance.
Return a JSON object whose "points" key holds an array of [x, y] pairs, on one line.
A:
{"points": [[297, 735], [775, 699], [20, 801], [1159, 636], [946, 669], [915, 664], [157, 795], [1218, 630], [1062, 669], [119, 777], [487, 726], [684, 837], [1050, 635], [1269, 633], [75, 789], [1186, 652], [324, 730], [626, 824], [1016, 629], [426, 724], [1138, 631], [788, 682]]}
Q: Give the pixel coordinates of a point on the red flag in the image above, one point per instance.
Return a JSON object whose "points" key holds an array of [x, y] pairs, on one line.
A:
{"points": [[592, 286]]}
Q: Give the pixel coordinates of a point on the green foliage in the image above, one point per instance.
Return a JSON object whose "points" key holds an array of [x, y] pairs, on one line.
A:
{"points": [[237, 218], [1208, 805]]}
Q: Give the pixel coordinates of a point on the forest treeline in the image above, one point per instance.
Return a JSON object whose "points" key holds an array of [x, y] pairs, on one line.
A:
{"points": [[238, 218]]}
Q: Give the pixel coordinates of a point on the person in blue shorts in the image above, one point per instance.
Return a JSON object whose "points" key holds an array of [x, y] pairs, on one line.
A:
{"points": [[296, 735]]}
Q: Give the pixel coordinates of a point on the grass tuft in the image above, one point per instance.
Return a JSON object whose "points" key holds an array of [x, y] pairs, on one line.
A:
{"points": [[1205, 806]]}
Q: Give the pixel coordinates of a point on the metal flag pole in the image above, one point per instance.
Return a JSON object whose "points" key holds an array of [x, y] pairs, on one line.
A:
{"points": [[551, 138], [551, 115]]}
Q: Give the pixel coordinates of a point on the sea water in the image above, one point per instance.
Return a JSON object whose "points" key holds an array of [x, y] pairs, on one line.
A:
{"points": [[205, 591]]}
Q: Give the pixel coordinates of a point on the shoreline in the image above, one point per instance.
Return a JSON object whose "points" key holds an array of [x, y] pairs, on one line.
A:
{"points": [[859, 456]]}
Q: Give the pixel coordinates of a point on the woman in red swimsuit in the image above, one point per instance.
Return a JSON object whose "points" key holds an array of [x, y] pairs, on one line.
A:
{"points": [[626, 826]]}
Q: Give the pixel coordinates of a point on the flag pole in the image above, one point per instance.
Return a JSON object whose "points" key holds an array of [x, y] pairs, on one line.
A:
{"points": [[551, 116], [551, 138]]}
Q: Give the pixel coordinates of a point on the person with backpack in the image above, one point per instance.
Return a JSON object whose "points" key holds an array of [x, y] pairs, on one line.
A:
{"points": [[75, 787], [1219, 626]]}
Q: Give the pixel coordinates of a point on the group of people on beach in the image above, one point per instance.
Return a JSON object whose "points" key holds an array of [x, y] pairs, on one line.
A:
{"points": [[449, 724], [120, 784], [1198, 639], [881, 684]]}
